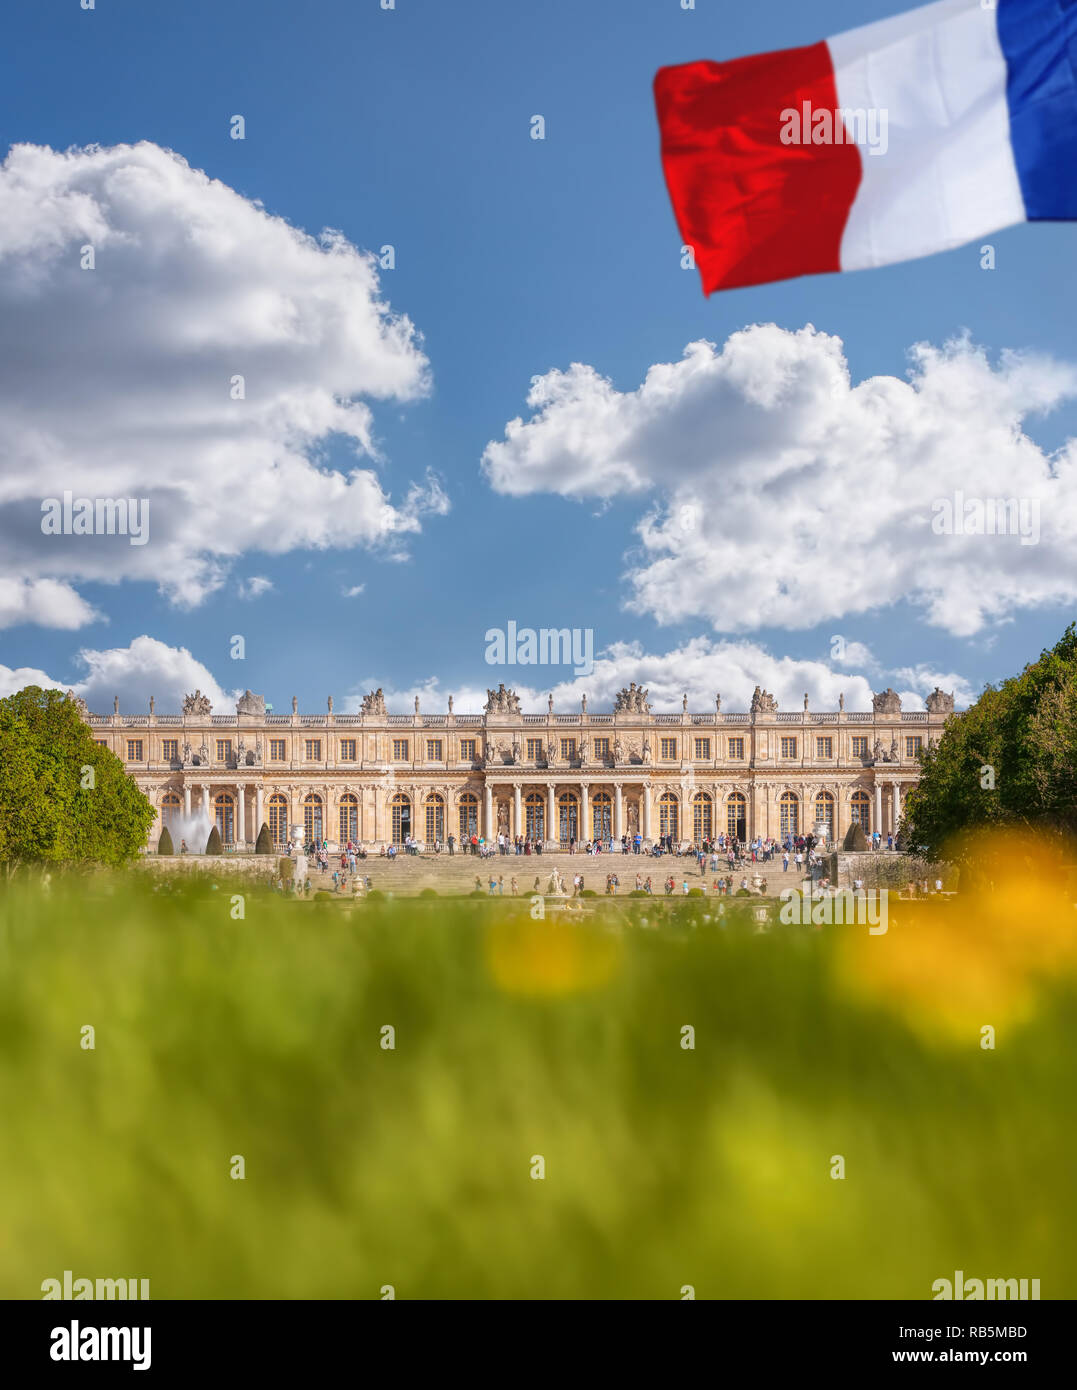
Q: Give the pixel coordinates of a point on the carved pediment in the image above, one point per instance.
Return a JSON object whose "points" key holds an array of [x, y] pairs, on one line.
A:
{"points": [[631, 699], [374, 703], [249, 703], [938, 702], [83, 708], [887, 701], [502, 701]]}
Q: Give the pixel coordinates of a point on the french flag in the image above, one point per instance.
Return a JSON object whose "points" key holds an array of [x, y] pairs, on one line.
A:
{"points": [[891, 141]]}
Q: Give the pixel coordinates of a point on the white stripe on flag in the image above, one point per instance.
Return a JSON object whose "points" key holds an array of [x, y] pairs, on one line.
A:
{"points": [[948, 174]]}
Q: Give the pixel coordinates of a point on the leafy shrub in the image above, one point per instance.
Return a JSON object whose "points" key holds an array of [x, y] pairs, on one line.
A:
{"points": [[164, 844], [213, 844], [264, 843]]}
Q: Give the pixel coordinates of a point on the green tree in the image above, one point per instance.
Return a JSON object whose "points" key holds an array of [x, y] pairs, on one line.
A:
{"points": [[164, 844], [264, 843], [1010, 760], [213, 844], [63, 798]]}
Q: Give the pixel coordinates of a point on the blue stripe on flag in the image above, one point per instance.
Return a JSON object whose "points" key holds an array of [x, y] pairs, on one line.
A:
{"points": [[1039, 42]]}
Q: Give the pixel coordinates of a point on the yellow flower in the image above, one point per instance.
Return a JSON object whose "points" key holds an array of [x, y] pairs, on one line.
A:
{"points": [[949, 968], [549, 958]]}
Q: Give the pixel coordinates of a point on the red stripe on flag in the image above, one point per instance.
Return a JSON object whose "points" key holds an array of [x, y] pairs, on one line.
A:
{"points": [[752, 208]]}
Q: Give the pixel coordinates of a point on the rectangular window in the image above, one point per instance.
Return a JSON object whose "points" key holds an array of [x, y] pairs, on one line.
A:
{"points": [[313, 753], [347, 750], [860, 747], [534, 750], [134, 750], [602, 748], [913, 746], [400, 750], [703, 750], [224, 750], [170, 750], [568, 750], [101, 742], [669, 748], [276, 750], [467, 750], [824, 747], [433, 750], [736, 748], [789, 747]]}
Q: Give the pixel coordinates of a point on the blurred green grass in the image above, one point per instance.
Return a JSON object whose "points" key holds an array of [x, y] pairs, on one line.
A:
{"points": [[410, 1167]]}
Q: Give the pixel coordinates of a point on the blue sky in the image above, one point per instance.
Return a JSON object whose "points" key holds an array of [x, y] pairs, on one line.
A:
{"points": [[514, 258]]}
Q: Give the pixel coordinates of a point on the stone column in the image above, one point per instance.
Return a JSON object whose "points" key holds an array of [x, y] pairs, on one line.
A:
{"points": [[645, 797], [258, 810], [551, 814], [896, 806], [206, 807], [878, 825], [238, 826], [618, 812], [517, 809], [187, 801], [489, 828], [584, 812]]}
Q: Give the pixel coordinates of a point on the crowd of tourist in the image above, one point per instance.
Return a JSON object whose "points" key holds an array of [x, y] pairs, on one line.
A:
{"points": [[729, 862]]}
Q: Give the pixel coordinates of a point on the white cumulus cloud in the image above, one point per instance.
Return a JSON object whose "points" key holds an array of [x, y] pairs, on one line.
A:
{"points": [[215, 361], [702, 667], [783, 494], [255, 586], [47, 602], [145, 667]]}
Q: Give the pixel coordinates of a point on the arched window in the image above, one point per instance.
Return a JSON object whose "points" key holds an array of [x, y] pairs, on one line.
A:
{"points": [[435, 818], [602, 816], [568, 817], [668, 823], [824, 812], [535, 816], [702, 818], [860, 811], [789, 808], [736, 816], [171, 808], [313, 819], [278, 818], [469, 815], [349, 818], [401, 812], [224, 813]]}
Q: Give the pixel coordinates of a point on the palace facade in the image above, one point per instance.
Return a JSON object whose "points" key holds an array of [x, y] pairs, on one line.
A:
{"points": [[377, 777]]}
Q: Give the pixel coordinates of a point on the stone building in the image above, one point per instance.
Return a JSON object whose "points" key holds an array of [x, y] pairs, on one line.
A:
{"points": [[378, 777]]}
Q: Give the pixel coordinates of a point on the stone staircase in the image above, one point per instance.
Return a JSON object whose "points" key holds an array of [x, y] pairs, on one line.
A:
{"points": [[454, 875]]}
